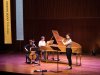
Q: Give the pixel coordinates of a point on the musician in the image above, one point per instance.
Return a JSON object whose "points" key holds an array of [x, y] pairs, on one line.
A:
{"points": [[28, 48], [36, 49], [42, 42], [68, 43]]}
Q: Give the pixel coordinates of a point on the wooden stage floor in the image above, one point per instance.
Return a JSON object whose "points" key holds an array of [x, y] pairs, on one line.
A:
{"points": [[15, 64]]}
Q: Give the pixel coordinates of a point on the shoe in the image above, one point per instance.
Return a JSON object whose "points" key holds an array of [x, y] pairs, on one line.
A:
{"points": [[57, 59], [35, 62], [69, 67]]}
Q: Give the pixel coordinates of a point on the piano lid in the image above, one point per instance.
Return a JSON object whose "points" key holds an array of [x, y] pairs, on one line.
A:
{"points": [[57, 37]]}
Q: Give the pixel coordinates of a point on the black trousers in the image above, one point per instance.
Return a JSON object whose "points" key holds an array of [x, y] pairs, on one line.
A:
{"points": [[68, 54], [27, 57]]}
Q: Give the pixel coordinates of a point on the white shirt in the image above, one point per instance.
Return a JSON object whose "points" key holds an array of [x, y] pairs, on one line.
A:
{"points": [[42, 43], [68, 43]]}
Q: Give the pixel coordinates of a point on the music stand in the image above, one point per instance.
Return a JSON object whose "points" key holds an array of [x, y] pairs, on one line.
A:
{"points": [[56, 49]]}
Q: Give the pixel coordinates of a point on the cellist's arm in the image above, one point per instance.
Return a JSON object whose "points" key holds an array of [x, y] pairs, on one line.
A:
{"points": [[26, 49]]}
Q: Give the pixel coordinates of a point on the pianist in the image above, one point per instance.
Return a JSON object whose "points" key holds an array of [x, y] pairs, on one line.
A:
{"points": [[41, 43], [68, 43]]}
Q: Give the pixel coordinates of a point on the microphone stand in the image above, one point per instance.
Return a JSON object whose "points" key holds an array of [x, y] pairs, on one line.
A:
{"points": [[57, 49], [40, 65]]}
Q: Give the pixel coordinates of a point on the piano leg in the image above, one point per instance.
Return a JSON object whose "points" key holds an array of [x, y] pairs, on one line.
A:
{"points": [[78, 57], [46, 57]]}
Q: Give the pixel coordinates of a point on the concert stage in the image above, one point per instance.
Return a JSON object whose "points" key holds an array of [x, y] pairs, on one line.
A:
{"points": [[15, 64]]}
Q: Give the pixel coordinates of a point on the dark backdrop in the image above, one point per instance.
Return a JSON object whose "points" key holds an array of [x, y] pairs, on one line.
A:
{"points": [[80, 18]]}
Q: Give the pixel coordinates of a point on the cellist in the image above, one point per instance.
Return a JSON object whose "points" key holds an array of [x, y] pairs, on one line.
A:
{"points": [[27, 50]]}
